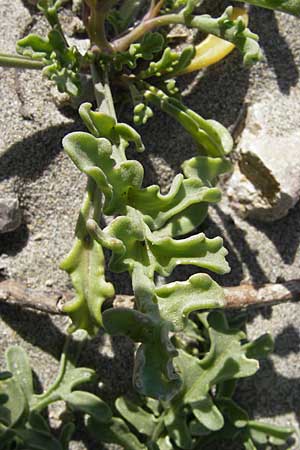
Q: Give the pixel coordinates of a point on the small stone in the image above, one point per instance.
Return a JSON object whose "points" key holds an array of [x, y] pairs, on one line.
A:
{"points": [[10, 214], [265, 183], [49, 283]]}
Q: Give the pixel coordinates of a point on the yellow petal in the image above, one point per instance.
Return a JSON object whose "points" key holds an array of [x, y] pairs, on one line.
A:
{"points": [[213, 49]]}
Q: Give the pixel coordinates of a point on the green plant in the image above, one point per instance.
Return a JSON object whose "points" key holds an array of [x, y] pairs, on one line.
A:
{"points": [[185, 370]]}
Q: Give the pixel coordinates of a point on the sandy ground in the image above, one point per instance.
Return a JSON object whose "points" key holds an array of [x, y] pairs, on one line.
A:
{"points": [[33, 166]]}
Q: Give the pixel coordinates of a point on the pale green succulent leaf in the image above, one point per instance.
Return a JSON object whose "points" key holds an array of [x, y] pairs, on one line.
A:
{"points": [[35, 47], [264, 433], [287, 6], [212, 140], [165, 254], [154, 375], [232, 30], [15, 405], [196, 250], [168, 63], [187, 220], [141, 420], [205, 168], [176, 300], [62, 62], [89, 404], [225, 360], [115, 432], [18, 364], [102, 125], [177, 427], [151, 43], [93, 156], [237, 415], [36, 440], [69, 376], [85, 264], [260, 347], [207, 413], [162, 254], [163, 207]]}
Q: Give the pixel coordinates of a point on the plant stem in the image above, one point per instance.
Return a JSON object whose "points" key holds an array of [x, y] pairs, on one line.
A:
{"points": [[19, 62], [123, 43], [102, 91], [96, 22], [246, 295], [203, 23]]}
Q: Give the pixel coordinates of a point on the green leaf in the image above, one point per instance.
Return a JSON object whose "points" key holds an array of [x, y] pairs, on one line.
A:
{"points": [[151, 43], [212, 139], [225, 360], [208, 413], [66, 434], [62, 63], [154, 375], [264, 433], [35, 47], [176, 300], [141, 420], [234, 31], [68, 376], [142, 113], [15, 405], [169, 64], [205, 168], [159, 208], [38, 422], [18, 364], [233, 412], [103, 125], [85, 264], [287, 6], [159, 254], [90, 404], [93, 156], [116, 432], [36, 440], [176, 424], [260, 347]]}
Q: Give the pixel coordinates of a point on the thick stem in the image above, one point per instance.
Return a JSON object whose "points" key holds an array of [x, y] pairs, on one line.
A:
{"points": [[19, 62], [96, 22]]}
